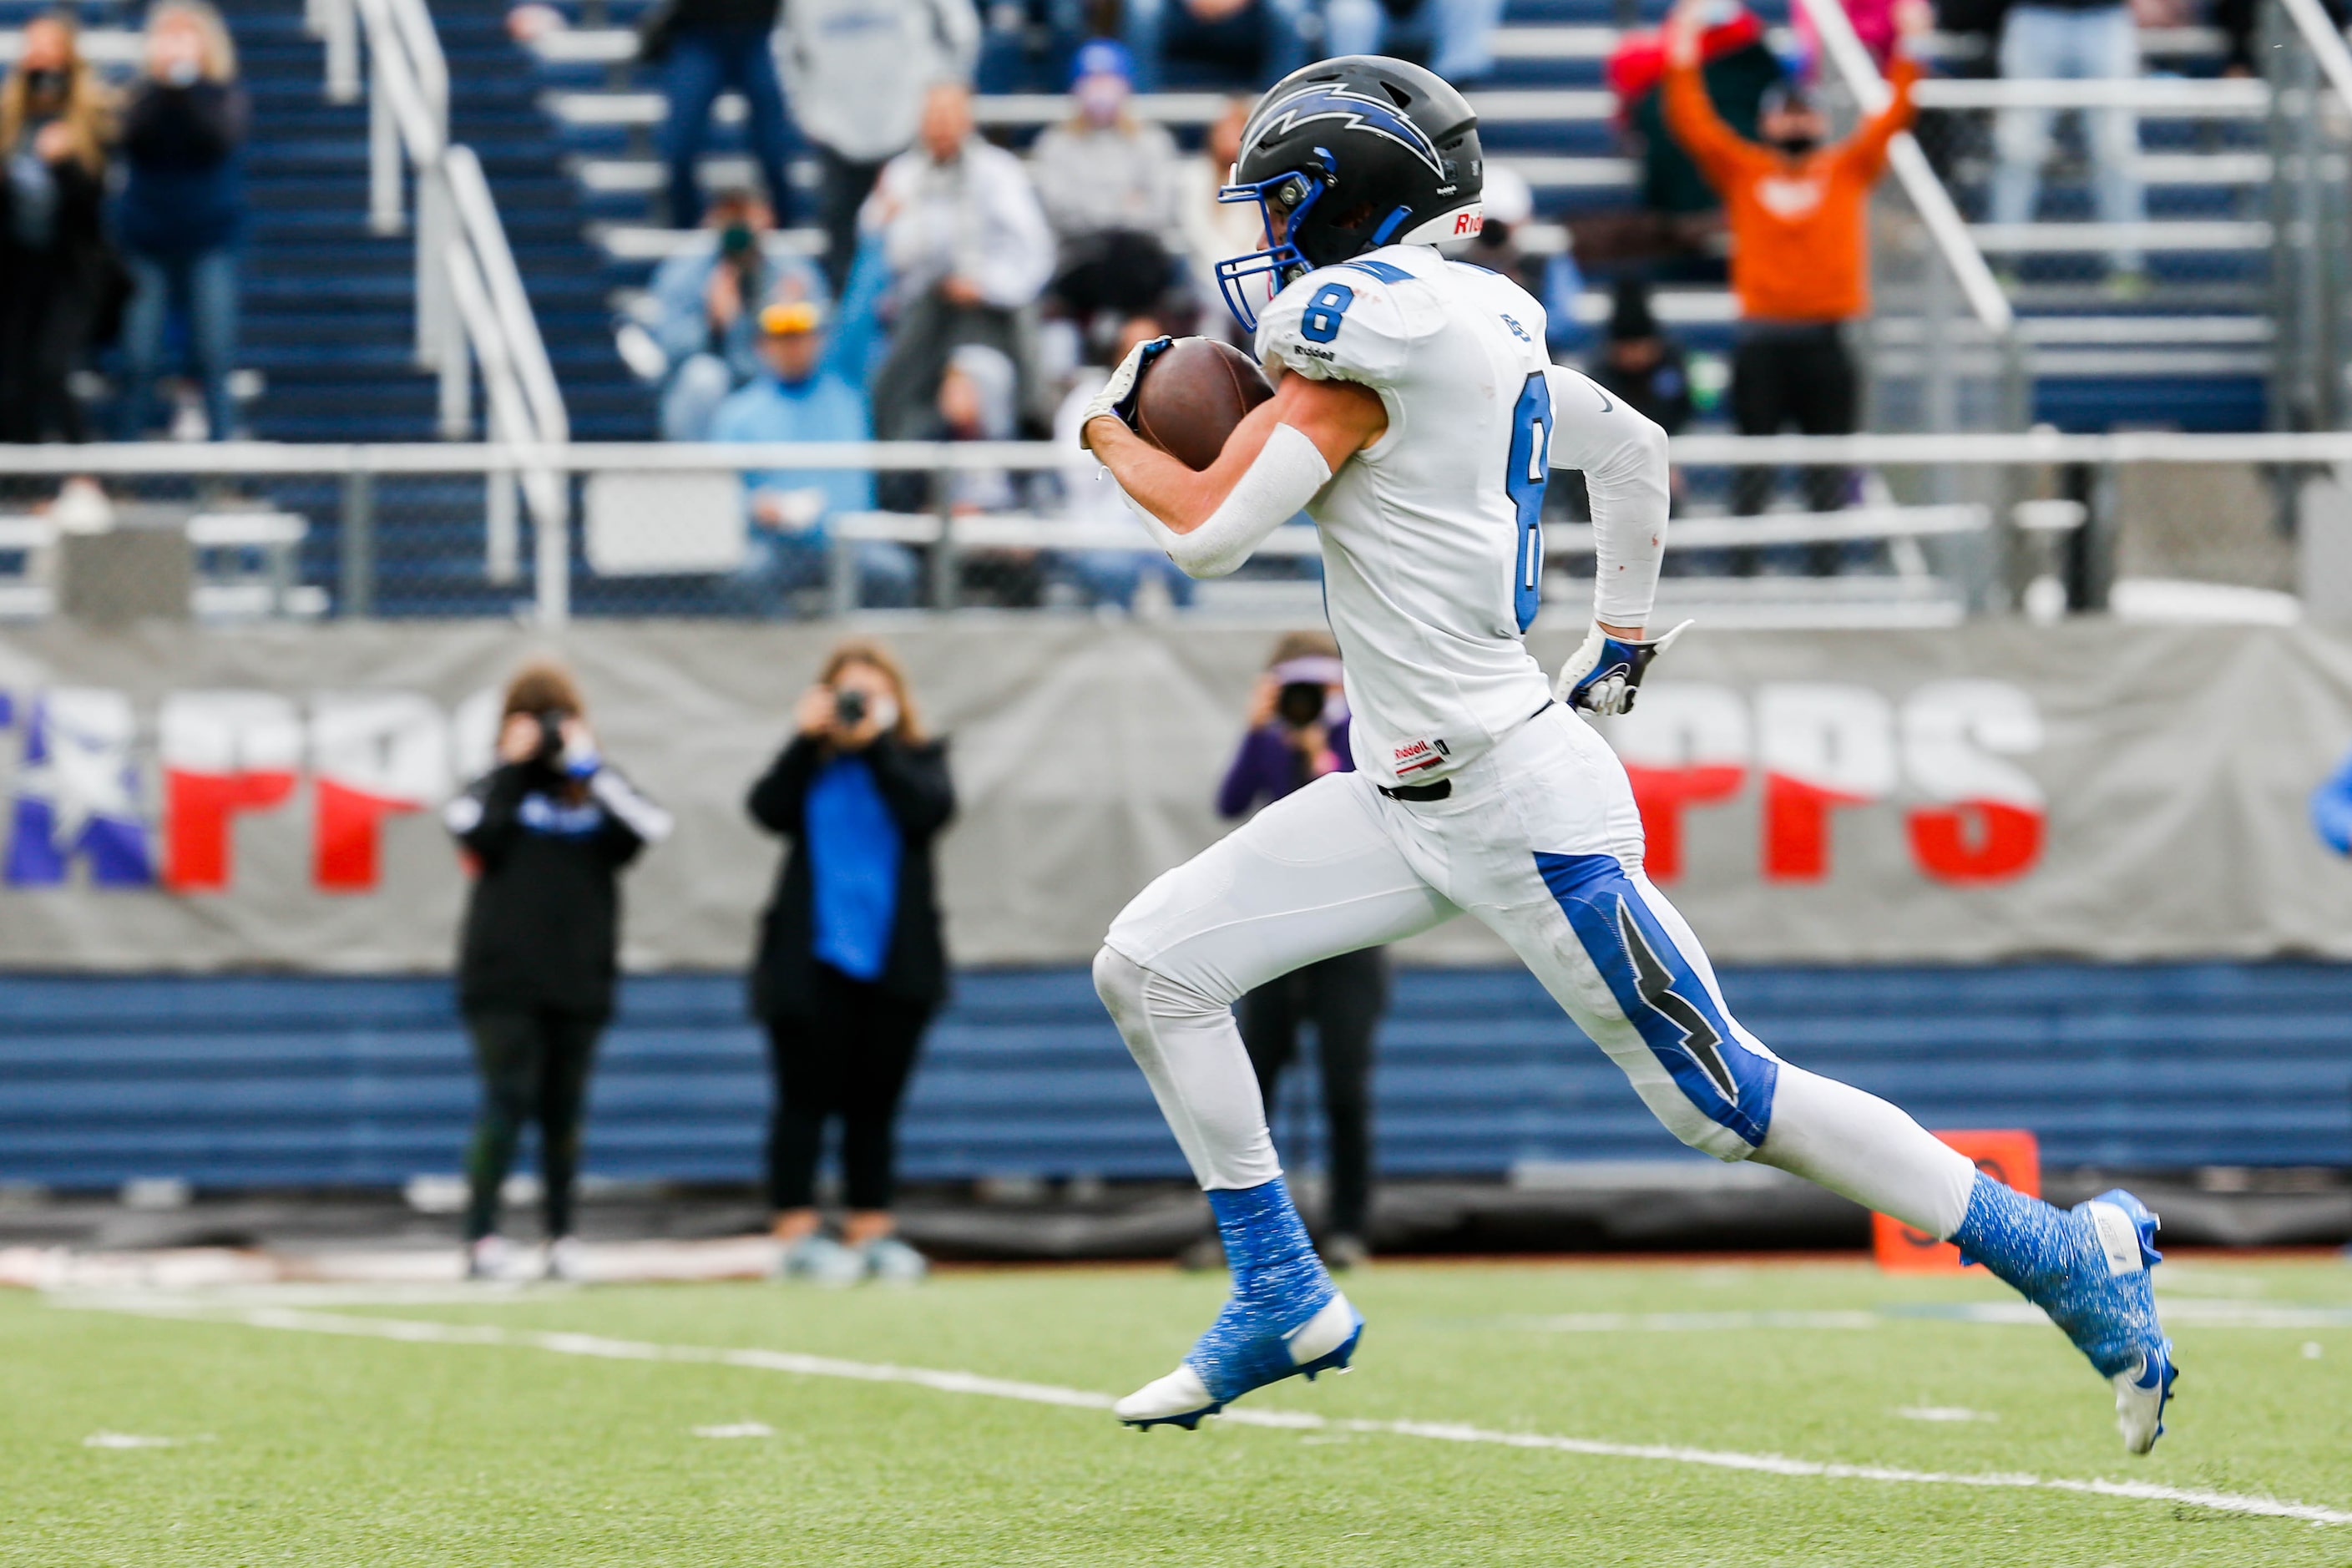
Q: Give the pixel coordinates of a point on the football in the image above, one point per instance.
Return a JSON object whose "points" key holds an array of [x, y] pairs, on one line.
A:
{"points": [[1191, 396]]}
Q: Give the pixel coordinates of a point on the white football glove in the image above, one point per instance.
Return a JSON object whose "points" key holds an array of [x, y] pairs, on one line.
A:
{"points": [[1117, 397], [1605, 673]]}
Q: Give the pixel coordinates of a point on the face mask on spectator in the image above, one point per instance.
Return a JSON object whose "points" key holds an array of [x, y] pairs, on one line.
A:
{"points": [[183, 73], [1101, 98], [44, 83]]}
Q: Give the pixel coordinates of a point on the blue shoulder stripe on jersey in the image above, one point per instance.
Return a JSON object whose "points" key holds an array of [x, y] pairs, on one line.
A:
{"points": [[1384, 272]]}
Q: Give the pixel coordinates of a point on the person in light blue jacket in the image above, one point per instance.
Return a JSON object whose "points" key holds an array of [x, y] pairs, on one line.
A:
{"points": [[799, 396]]}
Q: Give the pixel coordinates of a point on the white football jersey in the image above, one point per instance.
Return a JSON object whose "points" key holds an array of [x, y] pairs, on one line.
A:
{"points": [[1433, 536]]}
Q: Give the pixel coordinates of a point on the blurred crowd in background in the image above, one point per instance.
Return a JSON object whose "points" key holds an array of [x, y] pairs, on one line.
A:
{"points": [[963, 291]]}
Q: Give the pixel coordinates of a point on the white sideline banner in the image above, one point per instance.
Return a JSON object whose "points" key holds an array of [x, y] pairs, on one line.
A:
{"points": [[206, 800]]}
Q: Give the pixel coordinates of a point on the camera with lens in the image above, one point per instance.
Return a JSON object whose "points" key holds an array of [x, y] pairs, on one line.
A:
{"points": [[848, 708], [550, 738], [1300, 703]]}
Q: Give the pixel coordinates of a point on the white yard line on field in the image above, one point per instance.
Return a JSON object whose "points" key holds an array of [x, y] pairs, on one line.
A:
{"points": [[414, 1331]]}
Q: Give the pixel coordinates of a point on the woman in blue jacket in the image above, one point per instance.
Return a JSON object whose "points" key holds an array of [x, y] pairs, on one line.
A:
{"points": [[183, 209]]}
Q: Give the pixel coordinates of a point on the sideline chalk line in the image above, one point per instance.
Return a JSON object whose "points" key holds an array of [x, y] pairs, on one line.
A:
{"points": [[415, 1330]]}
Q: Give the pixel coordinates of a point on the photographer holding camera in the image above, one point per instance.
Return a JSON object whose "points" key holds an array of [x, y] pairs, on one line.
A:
{"points": [[1297, 733], [851, 966], [546, 832]]}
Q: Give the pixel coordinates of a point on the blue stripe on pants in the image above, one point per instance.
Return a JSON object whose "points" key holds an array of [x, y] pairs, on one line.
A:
{"points": [[1660, 995]]}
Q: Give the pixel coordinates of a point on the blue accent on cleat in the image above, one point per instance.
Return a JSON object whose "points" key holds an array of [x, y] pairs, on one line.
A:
{"points": [[2088, 1267], [1279, 1286]]}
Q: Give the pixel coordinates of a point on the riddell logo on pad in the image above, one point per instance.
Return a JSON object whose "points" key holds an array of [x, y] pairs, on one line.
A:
{"points": [[1820, 750], [87, 789]]}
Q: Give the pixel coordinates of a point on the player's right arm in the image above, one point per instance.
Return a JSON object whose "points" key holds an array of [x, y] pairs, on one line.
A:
{"points": [[1274, 461]]}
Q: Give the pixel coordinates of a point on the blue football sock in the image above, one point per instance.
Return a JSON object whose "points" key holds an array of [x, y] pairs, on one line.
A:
{"points": [[2054, 1259], [1279, 1284]]}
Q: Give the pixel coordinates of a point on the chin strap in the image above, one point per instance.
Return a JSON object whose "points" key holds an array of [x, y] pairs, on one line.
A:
{"points": [[1604, 674]]}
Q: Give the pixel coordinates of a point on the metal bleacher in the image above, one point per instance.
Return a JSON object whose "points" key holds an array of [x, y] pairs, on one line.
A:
{"points": [[564, 127], [2191, 351], [262, 1081]]}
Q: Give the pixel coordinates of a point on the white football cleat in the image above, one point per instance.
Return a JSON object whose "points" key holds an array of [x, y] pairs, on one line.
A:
{"points": [[2140, 1396], [1240, 1356]]}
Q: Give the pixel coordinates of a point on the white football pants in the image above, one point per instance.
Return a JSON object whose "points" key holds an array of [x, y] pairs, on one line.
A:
{"points": [[1540, 840]]}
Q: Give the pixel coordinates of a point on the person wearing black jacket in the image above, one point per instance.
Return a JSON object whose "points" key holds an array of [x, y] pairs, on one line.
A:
{"points": [[851, 966], [58, 273], [547, 831], [184, 209]]}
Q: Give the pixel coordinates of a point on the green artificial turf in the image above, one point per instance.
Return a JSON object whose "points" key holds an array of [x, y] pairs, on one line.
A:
{"points": [[301, 1446]]}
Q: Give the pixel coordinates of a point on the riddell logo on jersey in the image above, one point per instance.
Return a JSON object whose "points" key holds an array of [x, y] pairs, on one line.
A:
{"points": [[1971, 815], [1419, 754]]}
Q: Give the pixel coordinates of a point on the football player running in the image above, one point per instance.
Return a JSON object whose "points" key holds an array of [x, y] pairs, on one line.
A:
{"points": [[1417, 424]]}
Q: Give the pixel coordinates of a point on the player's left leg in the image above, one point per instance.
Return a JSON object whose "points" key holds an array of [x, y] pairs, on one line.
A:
{"points": [[1312, 876], [1562, 885]]}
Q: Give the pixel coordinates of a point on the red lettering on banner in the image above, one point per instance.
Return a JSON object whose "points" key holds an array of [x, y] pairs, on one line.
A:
{"points": [[347, 835], [224, 752], [1976, 840], [1956, 738], [1822, 746], [1686, 744], [1661, 793], [1797, 828], [376, 754], [199, 810]]}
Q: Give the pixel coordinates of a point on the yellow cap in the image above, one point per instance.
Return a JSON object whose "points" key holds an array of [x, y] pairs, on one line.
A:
{"points": [[791, 316]]}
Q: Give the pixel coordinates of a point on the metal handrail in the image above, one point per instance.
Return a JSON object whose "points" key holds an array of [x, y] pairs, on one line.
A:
{"points": [[472, 311], [1992, 449], [2328, 45], [1929, 198]]}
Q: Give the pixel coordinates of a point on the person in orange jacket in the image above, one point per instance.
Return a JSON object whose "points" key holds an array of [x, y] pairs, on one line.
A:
{"points": [[1799, 258]]}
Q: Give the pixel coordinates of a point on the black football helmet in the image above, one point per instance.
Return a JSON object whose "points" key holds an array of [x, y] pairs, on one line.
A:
{"points": [[1345, 156]]}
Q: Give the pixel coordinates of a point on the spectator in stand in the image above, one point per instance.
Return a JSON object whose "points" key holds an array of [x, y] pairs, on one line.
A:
{"points": [[1213, 229], [968, 250], [1107, 181], [1640, 364], [798, 396], [1799, 260], [1678, 227], [1298, 732], [1105, 577], [58, 280], [851, 962], [547, 832], [1873, 25], [183, 209], [1644, 367], [1247, 42], [1458, 36], [2073, 40], [706, 299], [1027, 45], [978, 401], [856, 71], [704, 47]]}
